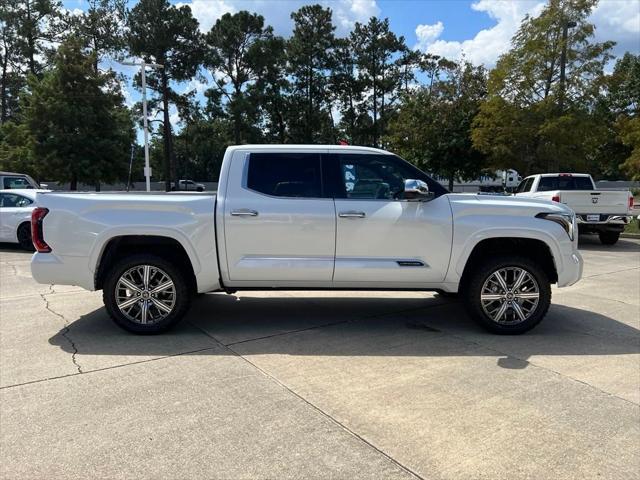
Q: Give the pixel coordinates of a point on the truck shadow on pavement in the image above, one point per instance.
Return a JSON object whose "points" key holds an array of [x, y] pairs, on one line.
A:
{"points": [[358, 325]]}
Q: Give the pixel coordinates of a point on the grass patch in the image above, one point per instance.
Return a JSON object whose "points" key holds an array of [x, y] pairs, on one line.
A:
{"points": [[633, 227]]}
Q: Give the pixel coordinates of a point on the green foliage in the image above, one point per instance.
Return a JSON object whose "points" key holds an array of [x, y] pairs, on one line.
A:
{"points": [[100, 28], [378, 59], [630, 136], [535, 118], [309, 54], [167, 35], [368, 88], [237, 54], [432, 126], [78, 130]]}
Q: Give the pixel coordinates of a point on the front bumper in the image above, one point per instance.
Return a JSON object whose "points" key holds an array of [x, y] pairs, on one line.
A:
{"points": [[572, 266]]}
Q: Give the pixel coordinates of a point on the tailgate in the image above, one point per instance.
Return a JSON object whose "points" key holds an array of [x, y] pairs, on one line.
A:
{"points": [[596, 201]]}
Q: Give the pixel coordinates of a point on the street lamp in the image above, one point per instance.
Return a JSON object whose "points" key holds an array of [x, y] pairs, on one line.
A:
{"points": [[143, 66]]}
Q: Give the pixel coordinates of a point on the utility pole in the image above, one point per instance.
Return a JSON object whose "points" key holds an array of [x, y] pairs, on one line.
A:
{"points": [[563, 65], [143, 67], [563, 62]]}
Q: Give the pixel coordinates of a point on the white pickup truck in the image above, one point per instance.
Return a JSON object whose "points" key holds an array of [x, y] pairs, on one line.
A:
{"points": [[604, 212], [307, 217]]}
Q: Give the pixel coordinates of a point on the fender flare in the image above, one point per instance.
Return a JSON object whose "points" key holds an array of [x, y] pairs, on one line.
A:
{"points": [[107, 235], [499, 232]]}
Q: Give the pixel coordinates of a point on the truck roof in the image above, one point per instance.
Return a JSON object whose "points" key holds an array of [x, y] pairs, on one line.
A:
{"points": [[564, 174], [336, 148]]}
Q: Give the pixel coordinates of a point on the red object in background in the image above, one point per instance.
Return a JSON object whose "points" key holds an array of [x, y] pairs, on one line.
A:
{"points": [[343, 142], [555, 198]]}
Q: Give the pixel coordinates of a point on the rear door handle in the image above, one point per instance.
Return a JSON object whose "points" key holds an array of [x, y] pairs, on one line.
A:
{"points": [[352, 214], [244, 212]]}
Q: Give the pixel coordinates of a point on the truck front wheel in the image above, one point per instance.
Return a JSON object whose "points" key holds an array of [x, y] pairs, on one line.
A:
{"points": [[145, 294], [508, 294], [609, 238]]}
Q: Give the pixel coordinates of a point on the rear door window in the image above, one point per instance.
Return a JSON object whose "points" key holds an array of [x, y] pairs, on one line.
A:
{"points": [[525, 185], [11, 200], [296, 175]]}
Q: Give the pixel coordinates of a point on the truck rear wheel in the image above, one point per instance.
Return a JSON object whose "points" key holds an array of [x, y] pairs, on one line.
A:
{"points": [[609, 238], [508, 294], [145, 294]]}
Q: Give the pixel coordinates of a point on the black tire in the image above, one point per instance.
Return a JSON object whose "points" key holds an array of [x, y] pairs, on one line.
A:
{"points": [[200, 189], [181, 301], [474, 285], [609, 238], [24, 237]]}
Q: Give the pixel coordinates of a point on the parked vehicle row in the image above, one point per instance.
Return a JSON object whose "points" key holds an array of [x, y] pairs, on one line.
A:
{"points": [[15, 216], [10, 181], [312, 217], [605, 212]]}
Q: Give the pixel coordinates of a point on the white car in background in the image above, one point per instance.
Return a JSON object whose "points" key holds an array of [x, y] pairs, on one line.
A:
{"points": [[16, 206]]}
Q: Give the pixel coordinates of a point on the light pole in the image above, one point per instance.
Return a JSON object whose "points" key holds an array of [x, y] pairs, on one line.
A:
{"points": [[563, 60], [143, 66], [563, 65]]}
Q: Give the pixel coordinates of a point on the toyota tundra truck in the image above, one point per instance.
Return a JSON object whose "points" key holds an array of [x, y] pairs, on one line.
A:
{"points": [[605, 212], [312, 218]]}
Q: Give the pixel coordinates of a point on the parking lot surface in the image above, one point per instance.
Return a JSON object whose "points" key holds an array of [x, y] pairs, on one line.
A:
{"points": [[342, 385]]}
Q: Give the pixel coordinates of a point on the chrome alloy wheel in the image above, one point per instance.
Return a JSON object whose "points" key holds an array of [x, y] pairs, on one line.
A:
{"points": [[510, 295], [145, 294]]}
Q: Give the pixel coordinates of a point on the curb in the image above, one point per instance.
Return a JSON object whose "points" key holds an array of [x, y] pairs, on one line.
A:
{"points": [[630, 235]]}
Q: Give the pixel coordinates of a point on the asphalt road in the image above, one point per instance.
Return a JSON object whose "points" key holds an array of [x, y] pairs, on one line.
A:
{"points": [[321, 385]]}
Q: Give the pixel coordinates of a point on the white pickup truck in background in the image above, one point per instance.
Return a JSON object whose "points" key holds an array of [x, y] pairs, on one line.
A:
{"points": [[307, 217], [604, 212]]}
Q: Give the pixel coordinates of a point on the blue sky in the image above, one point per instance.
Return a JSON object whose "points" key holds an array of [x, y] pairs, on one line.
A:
{"points": [[480, 30]]}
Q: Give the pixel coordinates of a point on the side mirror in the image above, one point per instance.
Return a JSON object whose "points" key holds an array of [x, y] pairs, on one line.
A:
{"points": [[416, 190]]}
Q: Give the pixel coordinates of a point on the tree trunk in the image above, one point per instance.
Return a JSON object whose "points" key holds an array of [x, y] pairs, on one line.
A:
{"points": [[375, 109], [308, 133], [30, 40], [169, 166], [73, 184], [451, 178], [236, 117], [3, 91]]}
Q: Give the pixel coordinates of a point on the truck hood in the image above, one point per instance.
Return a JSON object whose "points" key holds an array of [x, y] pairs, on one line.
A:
{"points": [[509, 205]]}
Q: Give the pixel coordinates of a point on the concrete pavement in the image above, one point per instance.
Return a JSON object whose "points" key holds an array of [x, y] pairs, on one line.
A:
{"points": [[322, 385]]}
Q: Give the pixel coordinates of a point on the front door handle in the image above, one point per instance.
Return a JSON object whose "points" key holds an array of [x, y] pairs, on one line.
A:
{"points": [[244, 212], [352, 214]]}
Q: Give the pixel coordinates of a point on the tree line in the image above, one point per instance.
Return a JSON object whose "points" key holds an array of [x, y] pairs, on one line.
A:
{"points": [[549, 103]]}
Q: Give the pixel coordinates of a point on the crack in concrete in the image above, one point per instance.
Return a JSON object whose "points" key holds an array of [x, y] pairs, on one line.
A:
{"points": [[65, 331]]}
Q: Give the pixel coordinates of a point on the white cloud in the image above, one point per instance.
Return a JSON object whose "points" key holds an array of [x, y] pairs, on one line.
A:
{"points": [[347, 12], [427, 34], [208, 11], [488, 44], [277, 13], [617, 20]]}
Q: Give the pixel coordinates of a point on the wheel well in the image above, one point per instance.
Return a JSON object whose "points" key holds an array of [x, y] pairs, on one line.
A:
{"points": [[165, 247], [536, 250]]}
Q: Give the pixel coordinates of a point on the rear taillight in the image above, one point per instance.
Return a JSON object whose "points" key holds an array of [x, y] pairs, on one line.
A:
{"points": [[630, 202], [37, 236], [555, 198]]}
